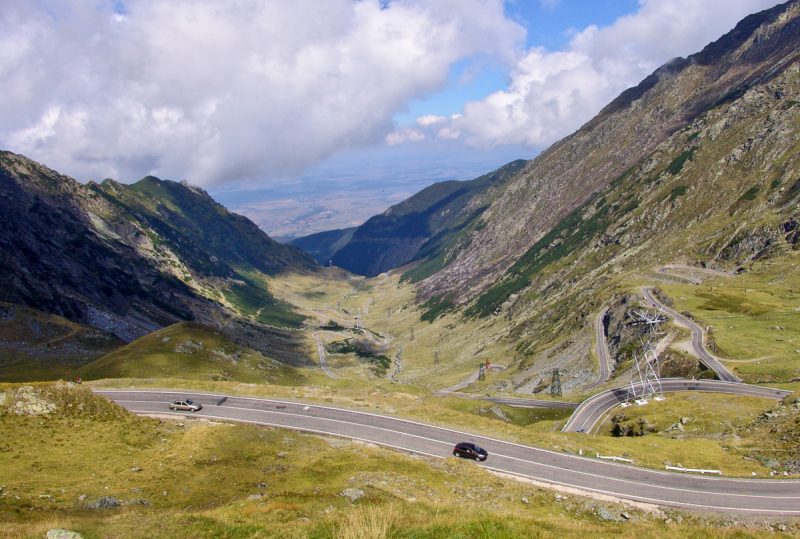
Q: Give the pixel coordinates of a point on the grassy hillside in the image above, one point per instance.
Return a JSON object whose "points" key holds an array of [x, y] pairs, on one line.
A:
{"points": [[199, 477], [323, 245], [207, 237], [394, 238], [35, 346], [191, 351]]}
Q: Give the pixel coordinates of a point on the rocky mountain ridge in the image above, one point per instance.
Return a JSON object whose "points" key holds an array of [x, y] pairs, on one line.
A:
{"points": [[698, 164], [409, 230], [130, 259], [637, 133]]}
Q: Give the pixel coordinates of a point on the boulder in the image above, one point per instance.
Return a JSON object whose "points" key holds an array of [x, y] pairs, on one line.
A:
{"points": [[106, 502], [353, 493], [63, 534]]}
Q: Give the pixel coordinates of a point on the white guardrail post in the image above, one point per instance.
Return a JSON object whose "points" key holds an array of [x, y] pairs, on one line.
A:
{"points": [[693, 470], [615, 459]]}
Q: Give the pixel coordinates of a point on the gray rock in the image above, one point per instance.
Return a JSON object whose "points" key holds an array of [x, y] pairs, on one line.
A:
{"points": [[605, 514], [136, 469], [772, 464], [256, 496], [139, 501], [625, 515], [82, 498], [106, 502], [353, 493], [63, 534], [525, 500]]}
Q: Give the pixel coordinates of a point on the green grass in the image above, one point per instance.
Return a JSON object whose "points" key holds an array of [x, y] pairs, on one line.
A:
{"points": [[754, 318], [191, 351], [679, 191], [209, 469], [35, 346], [521, 417], [676, 165], [435, 307], [710, 416], [750, 194]]}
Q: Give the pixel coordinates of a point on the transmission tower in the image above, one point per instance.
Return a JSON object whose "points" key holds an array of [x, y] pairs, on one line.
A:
{"points": [[645, 380], [436, 358], [481, 371], [359, 321], [412, 334], [555, 385]]}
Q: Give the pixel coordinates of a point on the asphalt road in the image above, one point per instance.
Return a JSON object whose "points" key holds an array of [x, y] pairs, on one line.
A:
{"points": [[697, 339], [321, 352], [602, 352], [765, 497], [595, 408], [665, 271]]}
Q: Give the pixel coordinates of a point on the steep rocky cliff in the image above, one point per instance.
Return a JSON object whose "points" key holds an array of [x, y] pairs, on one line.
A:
{"points": [[700, 164], [703, 138], [132, 259]]}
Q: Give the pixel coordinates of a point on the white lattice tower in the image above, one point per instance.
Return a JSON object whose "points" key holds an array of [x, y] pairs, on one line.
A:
{"points": [[645, 380]]}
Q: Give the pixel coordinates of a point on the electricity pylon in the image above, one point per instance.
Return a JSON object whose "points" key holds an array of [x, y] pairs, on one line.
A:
{"points": [[646, 380]]}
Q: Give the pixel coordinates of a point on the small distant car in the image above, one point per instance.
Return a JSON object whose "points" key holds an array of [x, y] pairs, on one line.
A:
{"points": [[470, 451], [187, 405]]}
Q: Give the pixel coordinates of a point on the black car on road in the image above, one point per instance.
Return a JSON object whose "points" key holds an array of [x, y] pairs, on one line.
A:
{"points": [[470, 451]]}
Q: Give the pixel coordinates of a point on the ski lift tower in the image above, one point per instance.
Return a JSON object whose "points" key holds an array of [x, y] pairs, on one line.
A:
{"points": [[646, 380]]}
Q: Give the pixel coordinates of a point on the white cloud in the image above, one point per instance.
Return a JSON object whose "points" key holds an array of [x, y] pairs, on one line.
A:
{"points": [[214, 90], [448, 133], [404, 134], [551, 94], [430, 119]]}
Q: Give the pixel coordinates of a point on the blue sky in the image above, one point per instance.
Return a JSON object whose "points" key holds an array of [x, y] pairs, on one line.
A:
{"points": [[388, 95], [548, 24]]}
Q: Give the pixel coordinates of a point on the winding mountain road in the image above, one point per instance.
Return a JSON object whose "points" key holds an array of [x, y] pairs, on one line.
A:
{"points": [[602, 352], [665, 270], [697, 339], [593, 409], [761, 497], [589, 413], [321, 352]]}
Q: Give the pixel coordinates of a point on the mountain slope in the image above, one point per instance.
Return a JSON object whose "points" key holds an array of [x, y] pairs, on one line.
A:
{"points": [[697, 165], [323, 245], [397, 236], [700, 164], [599, 180], [132, 259]]}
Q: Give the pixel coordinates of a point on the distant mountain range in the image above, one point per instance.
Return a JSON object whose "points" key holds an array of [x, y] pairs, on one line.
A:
{"points": [[130, 259], [699, 164], [412, 229]]}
